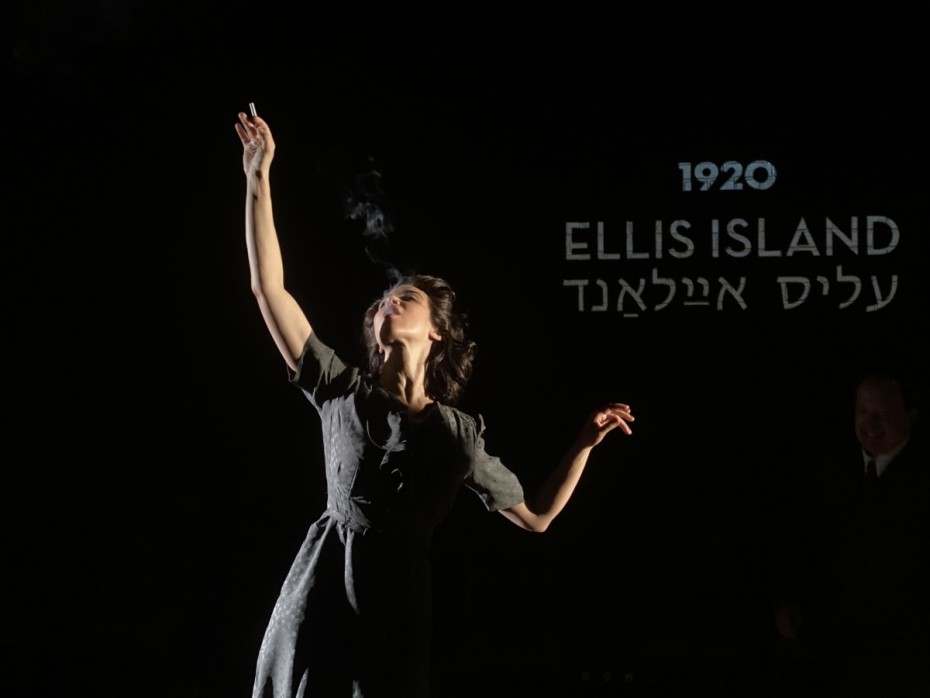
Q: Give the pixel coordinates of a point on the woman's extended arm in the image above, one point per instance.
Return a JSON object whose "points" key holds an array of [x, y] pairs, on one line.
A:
{"points": [[537, 513], [287, 323]]}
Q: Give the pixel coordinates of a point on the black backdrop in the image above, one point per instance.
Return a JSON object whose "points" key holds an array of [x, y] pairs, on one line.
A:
{"points": [[163, 472]]}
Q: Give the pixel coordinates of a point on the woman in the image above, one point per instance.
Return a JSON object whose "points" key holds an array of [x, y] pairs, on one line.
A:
{"points": [[353, 616]]}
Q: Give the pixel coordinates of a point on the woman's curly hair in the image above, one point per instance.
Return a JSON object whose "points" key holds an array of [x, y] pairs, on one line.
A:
{"points": [[451, 360]]}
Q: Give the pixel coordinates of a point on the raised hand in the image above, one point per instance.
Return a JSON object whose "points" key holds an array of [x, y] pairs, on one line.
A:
{"points": [[603, 421], [257, 143]]}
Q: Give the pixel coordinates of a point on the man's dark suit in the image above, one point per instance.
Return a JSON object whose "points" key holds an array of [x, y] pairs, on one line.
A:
{"points": [[862, 574]]}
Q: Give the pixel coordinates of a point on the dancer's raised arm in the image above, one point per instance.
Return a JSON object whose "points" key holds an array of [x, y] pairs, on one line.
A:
{"points": [[286, 321]]}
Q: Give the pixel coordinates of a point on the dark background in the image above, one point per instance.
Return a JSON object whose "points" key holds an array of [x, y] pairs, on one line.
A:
{"points": [[162, 470]]}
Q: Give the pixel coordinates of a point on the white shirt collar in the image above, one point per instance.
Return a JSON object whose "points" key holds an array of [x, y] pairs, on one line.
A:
{"points": [[884, 460]]}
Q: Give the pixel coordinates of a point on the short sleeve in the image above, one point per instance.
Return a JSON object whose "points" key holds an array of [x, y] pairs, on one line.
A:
{"points": [[496, 485], [320, 373]]}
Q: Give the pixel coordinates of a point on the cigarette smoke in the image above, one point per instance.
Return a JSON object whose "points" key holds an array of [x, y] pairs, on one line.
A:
{"points": [[367, 202]]}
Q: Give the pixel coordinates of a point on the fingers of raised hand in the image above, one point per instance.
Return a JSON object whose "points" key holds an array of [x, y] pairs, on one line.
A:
{"points": [[246, 135], [614, 415], [252, 131]]}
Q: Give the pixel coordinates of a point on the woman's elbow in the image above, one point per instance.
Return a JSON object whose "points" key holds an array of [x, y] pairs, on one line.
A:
{"points": [[536, 523], [539, 526], [524, 518]]}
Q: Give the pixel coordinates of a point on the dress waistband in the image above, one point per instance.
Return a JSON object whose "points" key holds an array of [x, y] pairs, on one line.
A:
{"points": [[406, 534], [350, 523]]}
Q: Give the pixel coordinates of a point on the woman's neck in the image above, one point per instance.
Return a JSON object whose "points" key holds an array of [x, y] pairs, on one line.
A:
{"points": [[404, 377]]}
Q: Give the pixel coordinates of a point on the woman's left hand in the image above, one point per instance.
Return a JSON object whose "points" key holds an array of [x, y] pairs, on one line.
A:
{"points": [[604, 420]]}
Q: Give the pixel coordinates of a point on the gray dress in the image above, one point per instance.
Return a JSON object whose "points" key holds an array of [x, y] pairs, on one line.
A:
{"points": [[354, 614]]}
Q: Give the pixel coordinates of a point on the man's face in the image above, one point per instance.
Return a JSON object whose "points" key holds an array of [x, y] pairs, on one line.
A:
{"points": [[882, 419]]}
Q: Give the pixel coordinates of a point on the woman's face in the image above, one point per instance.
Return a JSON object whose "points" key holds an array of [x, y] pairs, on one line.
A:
{"points": [[404, 315]]}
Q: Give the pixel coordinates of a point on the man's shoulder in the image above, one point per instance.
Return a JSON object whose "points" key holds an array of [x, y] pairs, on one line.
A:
{"points": [[914, 456]]}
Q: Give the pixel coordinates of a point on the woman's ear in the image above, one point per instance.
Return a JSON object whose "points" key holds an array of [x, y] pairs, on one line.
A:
{"points": [[435, 336]]}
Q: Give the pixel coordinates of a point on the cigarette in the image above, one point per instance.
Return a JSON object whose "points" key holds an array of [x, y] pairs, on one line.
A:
{"points": [[252, 109]]}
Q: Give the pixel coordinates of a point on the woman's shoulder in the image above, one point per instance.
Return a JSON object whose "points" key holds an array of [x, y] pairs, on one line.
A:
{"points": [[320, 365], [461, 422]]}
